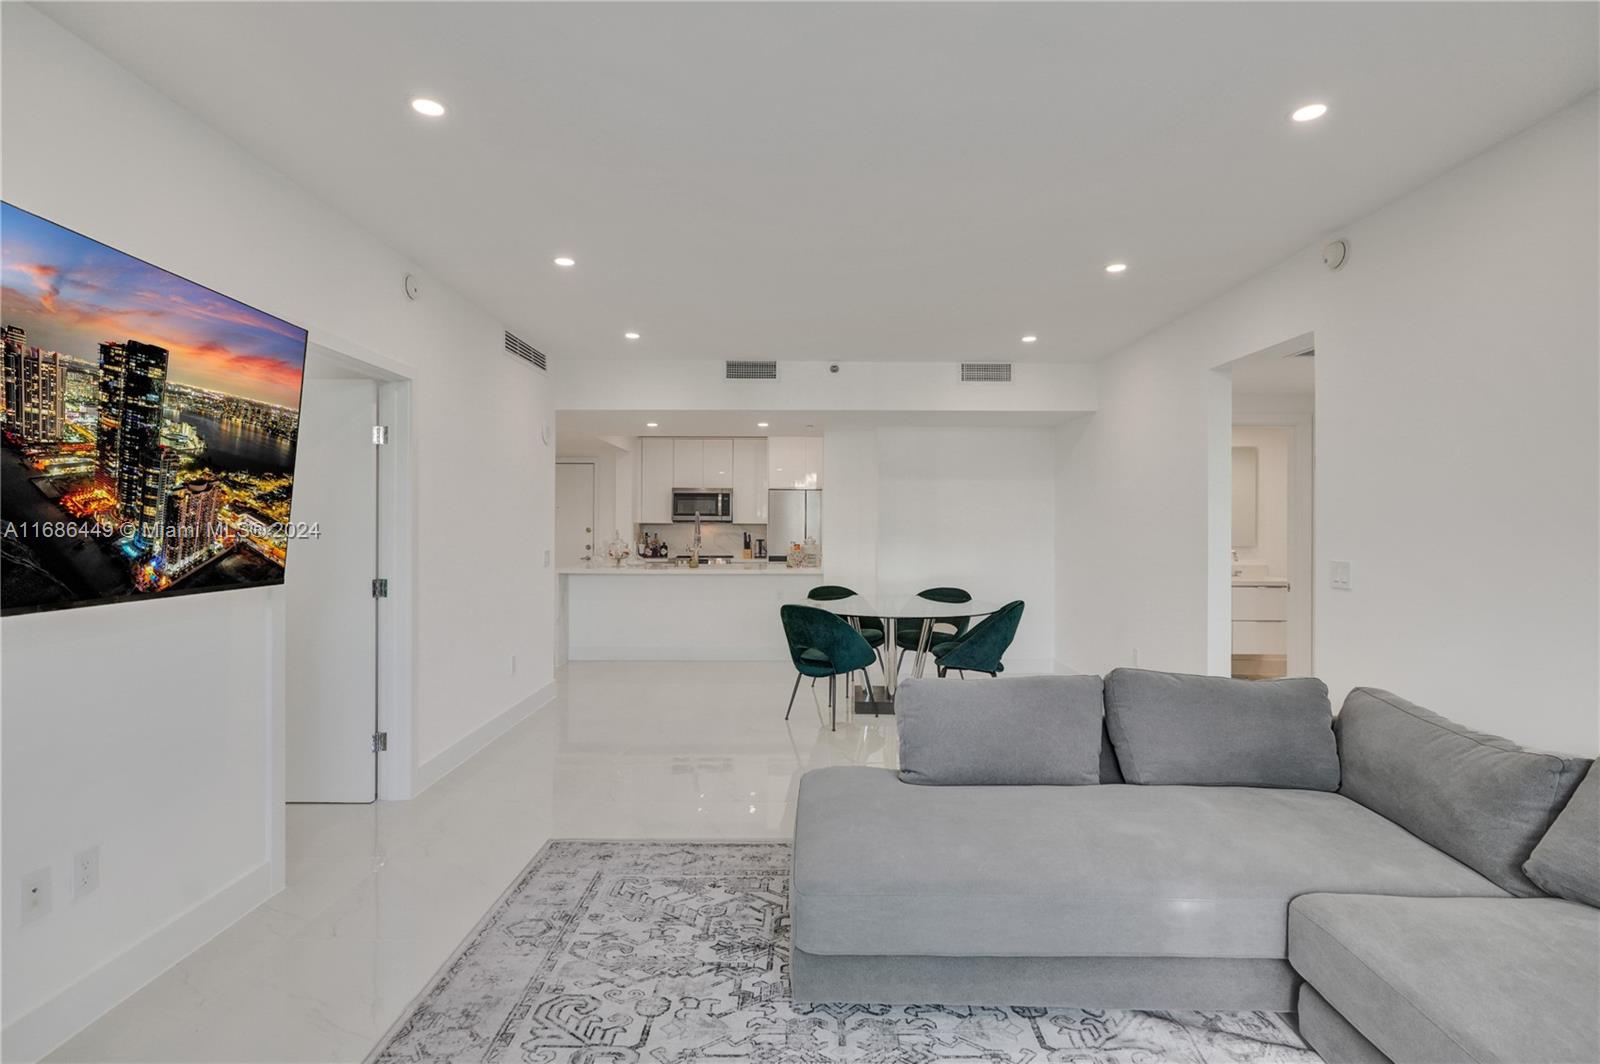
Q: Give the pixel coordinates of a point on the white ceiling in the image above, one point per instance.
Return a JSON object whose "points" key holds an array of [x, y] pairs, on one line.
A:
{"points": [[852, 181]]}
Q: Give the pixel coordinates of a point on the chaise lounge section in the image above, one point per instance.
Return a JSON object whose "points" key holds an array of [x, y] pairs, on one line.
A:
{"points": [[1173, 842]]}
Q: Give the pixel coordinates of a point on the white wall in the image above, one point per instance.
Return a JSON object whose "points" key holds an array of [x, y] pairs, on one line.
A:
{"points": [[699, 384], [1458, 456], [908, 508], [176, 783]]}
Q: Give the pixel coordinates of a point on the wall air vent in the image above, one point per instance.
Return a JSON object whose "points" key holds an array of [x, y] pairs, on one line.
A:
{"points": [[525, 351], [750, 371], [986, 371]]}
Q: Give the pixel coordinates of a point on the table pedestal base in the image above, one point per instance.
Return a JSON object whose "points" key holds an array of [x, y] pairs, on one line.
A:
{"points": [[880, 705]]}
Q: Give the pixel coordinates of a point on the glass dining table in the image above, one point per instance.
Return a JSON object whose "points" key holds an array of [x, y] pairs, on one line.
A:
{"points": [[889, 609]]}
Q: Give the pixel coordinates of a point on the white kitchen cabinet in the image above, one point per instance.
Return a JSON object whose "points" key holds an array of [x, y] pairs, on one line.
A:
{"points": [[657, 458], [688, 463], [794, 461], [717, 462], [812, 449], [783, 461], [750, 481]]}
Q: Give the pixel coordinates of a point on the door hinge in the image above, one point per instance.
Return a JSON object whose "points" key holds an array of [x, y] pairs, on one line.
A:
{"points": [[380, 587], [380, 742], [380, 434]]}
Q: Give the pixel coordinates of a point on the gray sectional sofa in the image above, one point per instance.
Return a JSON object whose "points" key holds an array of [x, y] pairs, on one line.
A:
{"points": [[1414, 890]]}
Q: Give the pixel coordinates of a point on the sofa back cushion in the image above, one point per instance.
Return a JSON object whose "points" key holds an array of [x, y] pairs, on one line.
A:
{"points": [[1017, 731], [1173, 728], [1481, 799], [1566, 862]]}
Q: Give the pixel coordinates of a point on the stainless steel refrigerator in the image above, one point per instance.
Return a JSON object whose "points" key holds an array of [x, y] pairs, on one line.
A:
{"points": [[792, 516]]}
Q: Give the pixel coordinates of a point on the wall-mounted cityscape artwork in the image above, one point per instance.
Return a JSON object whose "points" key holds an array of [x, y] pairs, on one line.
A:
{"points": [[149, 427]]}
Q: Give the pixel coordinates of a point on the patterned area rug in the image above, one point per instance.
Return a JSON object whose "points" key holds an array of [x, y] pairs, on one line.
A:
{"points": [[677, 953]]}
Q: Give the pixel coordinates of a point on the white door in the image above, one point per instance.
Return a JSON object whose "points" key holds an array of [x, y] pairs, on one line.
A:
{"points": [[575, 541], [331, 652]]}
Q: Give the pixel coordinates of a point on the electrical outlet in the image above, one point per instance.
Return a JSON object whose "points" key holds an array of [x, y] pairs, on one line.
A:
{"points": [[35, 895], [85, 871], [1135, 658], [547, 559], [1339, 576]]}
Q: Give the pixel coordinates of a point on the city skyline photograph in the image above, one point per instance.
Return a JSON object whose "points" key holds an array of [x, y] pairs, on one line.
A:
{"points": [[149, 427]]}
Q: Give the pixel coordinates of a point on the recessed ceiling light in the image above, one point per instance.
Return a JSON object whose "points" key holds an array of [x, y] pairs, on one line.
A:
{"points": [[1117, 267], [651, 425], [563, 260], [1029, 339], [630, 336], [1310, 112], [431, 108], [761, 424]]}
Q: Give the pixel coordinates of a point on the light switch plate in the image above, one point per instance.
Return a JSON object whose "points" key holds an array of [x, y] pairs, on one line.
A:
{"points": [[1339, 576]]}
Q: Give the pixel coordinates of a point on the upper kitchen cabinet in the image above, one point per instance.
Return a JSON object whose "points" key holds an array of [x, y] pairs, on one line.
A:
{"points": [[794, 461], [717, 462], [749, 481], [657, 459], [688, 463]]}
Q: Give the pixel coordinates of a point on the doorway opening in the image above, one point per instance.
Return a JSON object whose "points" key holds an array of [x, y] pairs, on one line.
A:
{"points": [[1270, 559], [347, 628]]}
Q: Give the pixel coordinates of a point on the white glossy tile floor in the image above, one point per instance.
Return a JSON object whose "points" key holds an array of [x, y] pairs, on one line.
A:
{"points": [[378, 896]]}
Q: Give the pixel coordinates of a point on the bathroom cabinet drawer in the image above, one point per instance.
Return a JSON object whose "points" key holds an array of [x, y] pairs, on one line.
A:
{"points": [[1260, 637], [1260, 604]]}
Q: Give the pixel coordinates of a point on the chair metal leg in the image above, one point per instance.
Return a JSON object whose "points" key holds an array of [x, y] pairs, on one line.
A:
{"points": [[833, 702], [872, 698], [794, 691], [941, 672]]}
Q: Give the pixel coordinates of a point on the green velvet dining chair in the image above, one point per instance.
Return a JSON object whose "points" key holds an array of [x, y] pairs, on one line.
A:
{"points": [[822, 644], [981, 649], [908, 632], [871, 627]]}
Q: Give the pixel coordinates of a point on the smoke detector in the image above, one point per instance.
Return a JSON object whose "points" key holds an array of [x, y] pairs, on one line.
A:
{"points": [[1334, 253]]}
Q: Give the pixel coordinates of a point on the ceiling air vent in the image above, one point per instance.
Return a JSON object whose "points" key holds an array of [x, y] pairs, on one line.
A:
{"points": [[986, 371], [525, 351], [751, 371]]}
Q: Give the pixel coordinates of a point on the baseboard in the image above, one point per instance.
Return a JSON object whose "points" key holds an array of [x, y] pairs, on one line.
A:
{"points": [[37, 1033], [459, 752], [699, 652]]}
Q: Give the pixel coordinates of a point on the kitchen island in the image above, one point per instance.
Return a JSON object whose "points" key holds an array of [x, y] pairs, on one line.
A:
{"points": [[643, 612]]}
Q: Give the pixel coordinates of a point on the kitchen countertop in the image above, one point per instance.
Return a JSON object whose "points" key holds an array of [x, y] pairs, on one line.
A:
{"points": [[1259, 581], [739, 568]]}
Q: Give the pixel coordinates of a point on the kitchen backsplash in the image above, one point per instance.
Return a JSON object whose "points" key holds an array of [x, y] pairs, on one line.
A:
{"points": [[714, 538]]}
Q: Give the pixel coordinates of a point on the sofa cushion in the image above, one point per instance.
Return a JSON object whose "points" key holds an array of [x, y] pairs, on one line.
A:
{"points": [[1027, 730], [881, 867], [1330, 1034], [1170, 727], [1456, 979], [1484, 800], [1566, 862]]}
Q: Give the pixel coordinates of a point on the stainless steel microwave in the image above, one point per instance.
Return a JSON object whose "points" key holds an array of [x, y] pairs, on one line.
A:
{"points": [[704, 503]]}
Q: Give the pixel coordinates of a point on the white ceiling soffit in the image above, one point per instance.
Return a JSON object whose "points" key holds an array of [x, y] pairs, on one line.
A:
{"points": [[852, 181], [610, 425]]}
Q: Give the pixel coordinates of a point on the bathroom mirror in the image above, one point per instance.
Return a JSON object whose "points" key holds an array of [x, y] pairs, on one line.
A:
{"points": [[1246, 464]]}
